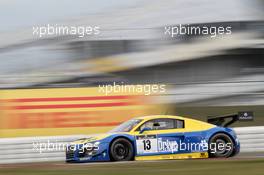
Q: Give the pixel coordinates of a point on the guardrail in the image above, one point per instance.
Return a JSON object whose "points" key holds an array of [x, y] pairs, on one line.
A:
{"points": [[251, 138], [27, 149], [24, 150]]}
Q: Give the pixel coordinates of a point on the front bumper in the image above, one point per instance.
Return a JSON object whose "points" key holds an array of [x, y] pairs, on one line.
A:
{"points": [[81, 154]]}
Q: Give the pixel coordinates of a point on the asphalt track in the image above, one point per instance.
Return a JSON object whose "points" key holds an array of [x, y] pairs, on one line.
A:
{"points": [[252, 163]]}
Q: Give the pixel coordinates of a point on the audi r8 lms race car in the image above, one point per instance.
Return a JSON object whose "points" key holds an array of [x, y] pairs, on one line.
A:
{"points": [[161, 137]]}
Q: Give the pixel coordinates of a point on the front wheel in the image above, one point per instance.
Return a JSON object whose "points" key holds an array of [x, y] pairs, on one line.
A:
{"points": [[121, 150], [221, 146]]}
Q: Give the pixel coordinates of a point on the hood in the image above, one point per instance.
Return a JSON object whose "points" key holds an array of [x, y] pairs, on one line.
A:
{"points": [[91, 138]]}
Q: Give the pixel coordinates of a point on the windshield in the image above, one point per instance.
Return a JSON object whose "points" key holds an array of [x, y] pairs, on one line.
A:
{"points": [[126, 126]]}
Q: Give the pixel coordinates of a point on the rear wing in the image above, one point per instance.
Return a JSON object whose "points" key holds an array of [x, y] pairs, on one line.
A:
{"points": [[227, 120]]}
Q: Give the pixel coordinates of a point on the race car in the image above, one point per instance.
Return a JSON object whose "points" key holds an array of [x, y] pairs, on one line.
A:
{"points": [[160, 137]]}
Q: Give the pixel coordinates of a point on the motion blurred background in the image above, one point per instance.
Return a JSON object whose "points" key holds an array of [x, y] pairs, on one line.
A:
{"points": [[49, 85]]}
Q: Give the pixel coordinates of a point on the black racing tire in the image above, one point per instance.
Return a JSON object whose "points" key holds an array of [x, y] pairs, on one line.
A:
{"points": [[220, 146], [121, 149]]}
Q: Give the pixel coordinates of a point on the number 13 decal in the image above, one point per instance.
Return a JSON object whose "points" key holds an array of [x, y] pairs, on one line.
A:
{"points": [[147, 144]]}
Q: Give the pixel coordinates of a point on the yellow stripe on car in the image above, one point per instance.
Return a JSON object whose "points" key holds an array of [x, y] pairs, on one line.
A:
{"points": [[196, 155]]}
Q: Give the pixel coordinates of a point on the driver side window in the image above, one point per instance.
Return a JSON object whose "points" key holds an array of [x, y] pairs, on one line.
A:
{"points": [[148, 124], [161, 124]]}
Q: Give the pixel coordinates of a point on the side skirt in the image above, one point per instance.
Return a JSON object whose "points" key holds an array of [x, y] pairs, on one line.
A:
{"points": [[174, 156]]}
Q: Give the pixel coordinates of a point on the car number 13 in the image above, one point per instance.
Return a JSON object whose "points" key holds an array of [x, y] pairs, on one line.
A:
{"points": [[147, 145]]}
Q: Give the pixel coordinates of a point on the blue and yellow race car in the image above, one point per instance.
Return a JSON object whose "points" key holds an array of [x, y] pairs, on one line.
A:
{"points": [[160, 137]]}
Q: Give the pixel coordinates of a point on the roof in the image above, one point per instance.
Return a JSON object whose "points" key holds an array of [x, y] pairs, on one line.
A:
{"points": [[159, 116]]}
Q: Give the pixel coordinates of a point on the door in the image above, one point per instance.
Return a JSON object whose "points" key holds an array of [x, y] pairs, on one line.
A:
{"points": [[160, 136]]}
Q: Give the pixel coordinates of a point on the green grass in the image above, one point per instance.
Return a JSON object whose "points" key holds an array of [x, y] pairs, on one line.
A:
{"points": [[175, 167]]}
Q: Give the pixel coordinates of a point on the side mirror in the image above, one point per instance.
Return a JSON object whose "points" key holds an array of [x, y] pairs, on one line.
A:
{"points": [[144, 129]]}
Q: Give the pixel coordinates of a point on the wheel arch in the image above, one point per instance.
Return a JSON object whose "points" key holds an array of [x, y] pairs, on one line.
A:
{"points": [[124, 137], [226, 133], [222, 132]]}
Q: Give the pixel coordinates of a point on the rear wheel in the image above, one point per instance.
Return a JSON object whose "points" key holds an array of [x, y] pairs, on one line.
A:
{"points": [[221, 145], [121, 150]]}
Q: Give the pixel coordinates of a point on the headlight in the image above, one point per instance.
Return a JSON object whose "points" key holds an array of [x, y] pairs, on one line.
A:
{"points": [[89, 149], [92, 146], [96, 144]]}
